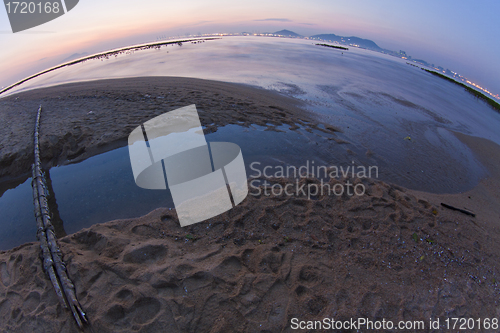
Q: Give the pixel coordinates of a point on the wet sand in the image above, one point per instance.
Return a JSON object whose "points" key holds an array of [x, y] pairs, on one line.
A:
{"points": [[392, 253], [80, 120]]}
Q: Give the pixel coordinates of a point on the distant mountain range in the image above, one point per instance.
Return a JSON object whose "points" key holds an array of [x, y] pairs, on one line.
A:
{"points": [[353, 40], [287, 33]]}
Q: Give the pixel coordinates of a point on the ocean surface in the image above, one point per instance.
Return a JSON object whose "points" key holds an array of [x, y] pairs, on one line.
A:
{"points": [[392, 115]]}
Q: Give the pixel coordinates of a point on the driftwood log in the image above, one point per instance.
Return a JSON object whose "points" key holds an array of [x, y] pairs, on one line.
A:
{"points": [[52, 256], [464, 211]]}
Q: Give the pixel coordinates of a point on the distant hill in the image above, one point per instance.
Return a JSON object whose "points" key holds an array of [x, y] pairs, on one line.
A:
{"points": [[365, 43], [287, 33], [354, 41]]}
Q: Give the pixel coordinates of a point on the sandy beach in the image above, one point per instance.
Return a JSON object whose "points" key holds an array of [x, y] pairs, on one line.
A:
{"points": [[392, 253], [93, 117]]}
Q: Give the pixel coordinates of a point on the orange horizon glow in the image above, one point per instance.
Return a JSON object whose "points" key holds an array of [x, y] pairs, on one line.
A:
{"points": [[95, 26]]}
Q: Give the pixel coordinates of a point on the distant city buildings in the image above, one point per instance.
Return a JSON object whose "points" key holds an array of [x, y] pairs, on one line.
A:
{"points": [[453, 75]]}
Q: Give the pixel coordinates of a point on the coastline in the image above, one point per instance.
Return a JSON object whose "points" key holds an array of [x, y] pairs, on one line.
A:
{"points": [[484, 198], [264, 262]]}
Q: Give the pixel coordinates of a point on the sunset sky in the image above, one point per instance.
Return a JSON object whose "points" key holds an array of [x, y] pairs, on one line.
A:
{"points": [[460, 35]]}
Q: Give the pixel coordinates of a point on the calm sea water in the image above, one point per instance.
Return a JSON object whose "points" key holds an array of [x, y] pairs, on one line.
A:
{"points": [[376, 100]]}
